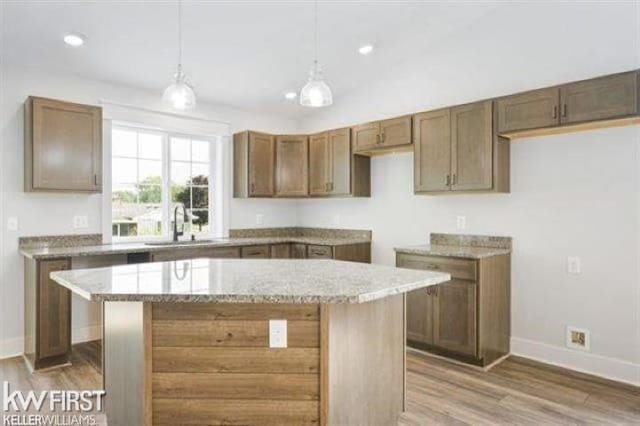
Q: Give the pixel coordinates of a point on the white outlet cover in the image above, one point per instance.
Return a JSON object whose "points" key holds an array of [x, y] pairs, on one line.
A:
{"points": [[259, 219], [574, 266], [80, 222], [12, 223], [587, 338], [461, 222], [277, 333]]}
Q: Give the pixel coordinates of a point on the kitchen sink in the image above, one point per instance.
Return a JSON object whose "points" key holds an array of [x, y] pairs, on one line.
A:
{"points": [[185, 242]]}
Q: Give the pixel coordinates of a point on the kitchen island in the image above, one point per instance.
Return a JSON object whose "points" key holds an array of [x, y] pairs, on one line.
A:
{"points": [[194, 342]]}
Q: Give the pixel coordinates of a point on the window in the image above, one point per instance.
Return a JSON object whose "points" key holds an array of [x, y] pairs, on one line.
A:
{"points": [[156, 176]]}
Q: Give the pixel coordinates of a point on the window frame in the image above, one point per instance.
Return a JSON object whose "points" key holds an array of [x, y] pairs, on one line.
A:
{"points": [[165, 201]]}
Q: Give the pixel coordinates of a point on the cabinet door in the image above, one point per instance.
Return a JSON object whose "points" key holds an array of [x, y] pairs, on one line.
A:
{"points": [[298, 251], [395, 131], [601, 98], [472, 147], [366, 136], [280, 251], [420, 315], [432, 151], [319, 164], [340, 162], [54, 303], [66, 144], [454, 319], [261, 164], [292, 166], [530, 110], [256, 252], [319, 252]]}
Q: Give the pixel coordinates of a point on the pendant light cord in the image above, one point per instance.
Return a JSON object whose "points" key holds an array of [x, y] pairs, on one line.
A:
{"points": [[179, 36], [315, 23]]}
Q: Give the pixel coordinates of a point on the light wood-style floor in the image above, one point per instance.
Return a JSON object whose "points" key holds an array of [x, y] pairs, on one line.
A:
{"points": [[517, 391]]}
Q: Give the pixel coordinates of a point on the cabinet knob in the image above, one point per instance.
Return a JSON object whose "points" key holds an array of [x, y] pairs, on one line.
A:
{"points": [[448, 181], [555, 111], [382, 138], [564, 110], [378, 139], [453, 179], [253, 187]]}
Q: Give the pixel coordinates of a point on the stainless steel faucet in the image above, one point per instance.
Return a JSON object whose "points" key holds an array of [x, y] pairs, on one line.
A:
{"points": [[177, 234]]}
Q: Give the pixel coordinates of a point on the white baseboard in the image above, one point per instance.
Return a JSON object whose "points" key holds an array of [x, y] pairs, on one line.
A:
{"points": [[15, 347], [585, 362]]}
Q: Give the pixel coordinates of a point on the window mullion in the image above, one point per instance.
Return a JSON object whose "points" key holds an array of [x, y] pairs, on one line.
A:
{"points": [[166, 185]]}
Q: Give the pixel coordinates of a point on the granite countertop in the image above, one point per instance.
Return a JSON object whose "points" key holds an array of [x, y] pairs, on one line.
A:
{"points": [[465, 252], [124, 248], [246, 281]]}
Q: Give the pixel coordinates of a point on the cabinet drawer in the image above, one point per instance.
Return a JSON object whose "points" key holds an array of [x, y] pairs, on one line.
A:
{"points": [[255, 252], [224, 253], [319, 252], [458, 268]]}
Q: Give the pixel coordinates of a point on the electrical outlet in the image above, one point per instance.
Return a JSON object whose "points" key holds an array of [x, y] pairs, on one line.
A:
{"points": [[80, 222], [277, 333], [259, 219], [12, 223], [461, 222], [578, 338], [573, 265]]}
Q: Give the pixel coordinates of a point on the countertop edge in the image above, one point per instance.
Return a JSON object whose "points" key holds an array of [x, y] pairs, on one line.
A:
{"points": [[491, 252]]}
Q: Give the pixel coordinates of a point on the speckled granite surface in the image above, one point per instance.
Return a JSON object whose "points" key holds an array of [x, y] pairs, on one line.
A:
{"points": [[60, 241], [300, 231], [246, 281], [334, 238], [462, 246]]}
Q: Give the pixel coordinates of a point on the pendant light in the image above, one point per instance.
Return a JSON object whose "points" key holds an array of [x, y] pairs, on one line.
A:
{"points": [[179, 94], [316, 93]]}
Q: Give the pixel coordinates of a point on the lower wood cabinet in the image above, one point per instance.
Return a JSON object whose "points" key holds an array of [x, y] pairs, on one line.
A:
{"points": [[468, 317], [298, 251], [319, 252], [280, 251], [256, 252], [47, 314], [194, 253]]}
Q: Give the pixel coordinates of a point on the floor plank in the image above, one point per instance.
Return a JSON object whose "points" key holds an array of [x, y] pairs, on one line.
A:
{"points": [[517, 391]]}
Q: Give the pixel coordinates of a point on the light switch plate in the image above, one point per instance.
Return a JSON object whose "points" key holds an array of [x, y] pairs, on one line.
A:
{"points": [[259, 219], [12, 223], [574, 265], [277, 333], [461, 222], [80, 222]]}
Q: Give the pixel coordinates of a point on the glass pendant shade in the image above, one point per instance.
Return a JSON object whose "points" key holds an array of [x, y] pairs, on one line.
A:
{"points": [[316, 93], [179, 94]]}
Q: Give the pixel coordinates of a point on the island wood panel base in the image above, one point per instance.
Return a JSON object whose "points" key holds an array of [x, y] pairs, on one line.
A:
{"points": [[210, 363]]}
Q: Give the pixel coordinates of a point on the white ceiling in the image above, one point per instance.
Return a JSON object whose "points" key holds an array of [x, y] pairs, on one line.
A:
{"points": [[243, 54], [247, 54]]}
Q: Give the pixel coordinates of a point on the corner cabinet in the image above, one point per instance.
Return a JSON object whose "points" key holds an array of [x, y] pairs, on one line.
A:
{"points": [[292, 166], [333, 169], [253, 164], [457, 150], [63, 146], [467, 318]]}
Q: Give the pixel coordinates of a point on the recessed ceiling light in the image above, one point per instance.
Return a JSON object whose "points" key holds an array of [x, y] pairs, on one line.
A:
{"points": [[74, 39], [291, 95], [366, 49]]}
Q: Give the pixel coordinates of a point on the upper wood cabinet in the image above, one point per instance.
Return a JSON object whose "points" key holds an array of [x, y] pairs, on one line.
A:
{"points": [[63, 146], [530, 110], [590, 101], [292, 166], [455, 149], [333, 169], [253, 164], [382, 135], [600, 98]]}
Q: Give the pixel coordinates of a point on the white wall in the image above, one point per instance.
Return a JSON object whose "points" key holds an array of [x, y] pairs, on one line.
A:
{"points": [[572, 194], [52, 214]]}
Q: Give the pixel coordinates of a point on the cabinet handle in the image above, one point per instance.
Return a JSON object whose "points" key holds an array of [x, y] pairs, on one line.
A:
{"points": [[435, 291], [564, 110], [433, 266], [555, 111], [383, 138], [253, 187], [448, 180], [330, 186], [378, 139], [454, 179], [95, 180]]}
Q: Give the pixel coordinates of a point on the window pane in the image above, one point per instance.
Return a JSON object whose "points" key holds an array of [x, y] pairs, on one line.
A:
{"points": [[180, 173], [150, 146], [200, 151], [150, 172], [200, 174], [200, 220], [123, 143], [149, 193], [124, 193], [148, 217], [124, 170], [180, 149], [200, 197]]}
